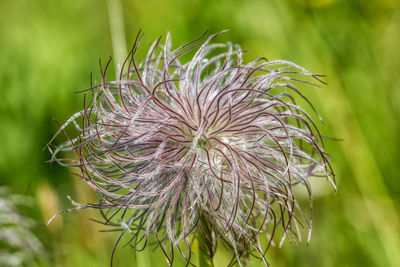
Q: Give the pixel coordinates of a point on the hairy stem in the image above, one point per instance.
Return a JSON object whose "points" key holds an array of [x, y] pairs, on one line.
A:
{"points": [[205, 243], [204, 259]]}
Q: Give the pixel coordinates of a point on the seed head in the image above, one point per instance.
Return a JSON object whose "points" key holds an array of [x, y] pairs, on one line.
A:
{"points": [[18, 242], [210, 147]]}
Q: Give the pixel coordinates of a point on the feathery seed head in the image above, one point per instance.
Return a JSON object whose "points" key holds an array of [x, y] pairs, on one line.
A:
{"points": [[211, 144]]}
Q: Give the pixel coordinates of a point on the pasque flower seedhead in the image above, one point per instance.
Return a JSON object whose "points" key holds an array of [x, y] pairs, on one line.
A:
{"points": [[211, 148]]}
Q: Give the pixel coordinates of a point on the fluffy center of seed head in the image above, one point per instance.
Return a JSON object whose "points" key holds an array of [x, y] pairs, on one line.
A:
{"points": [[202, 143], [198, 140]]}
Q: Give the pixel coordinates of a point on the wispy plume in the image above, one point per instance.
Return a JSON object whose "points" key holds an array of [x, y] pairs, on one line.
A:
{"points": [[19, 245], [209, 148]]}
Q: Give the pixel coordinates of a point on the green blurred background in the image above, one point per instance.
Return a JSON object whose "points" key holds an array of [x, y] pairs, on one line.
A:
{"points": [[49, 48]]}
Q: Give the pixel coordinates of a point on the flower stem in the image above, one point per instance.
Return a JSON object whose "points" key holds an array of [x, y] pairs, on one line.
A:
{"points": [[205, 244], [204, 259]]}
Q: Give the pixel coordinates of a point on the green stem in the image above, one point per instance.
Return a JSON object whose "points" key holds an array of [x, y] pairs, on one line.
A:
{"points": [[116, 20], [204, 239], [204, 259]]}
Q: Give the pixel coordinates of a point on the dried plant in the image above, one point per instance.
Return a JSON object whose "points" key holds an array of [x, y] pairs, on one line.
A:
{"points": [[209, 148]]}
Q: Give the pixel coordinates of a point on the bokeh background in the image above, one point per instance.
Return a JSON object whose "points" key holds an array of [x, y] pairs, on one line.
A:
{"points": [[49, 48]]}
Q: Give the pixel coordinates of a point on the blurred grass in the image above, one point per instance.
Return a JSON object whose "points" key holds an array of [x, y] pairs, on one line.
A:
{"points": [[49, 48]]}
